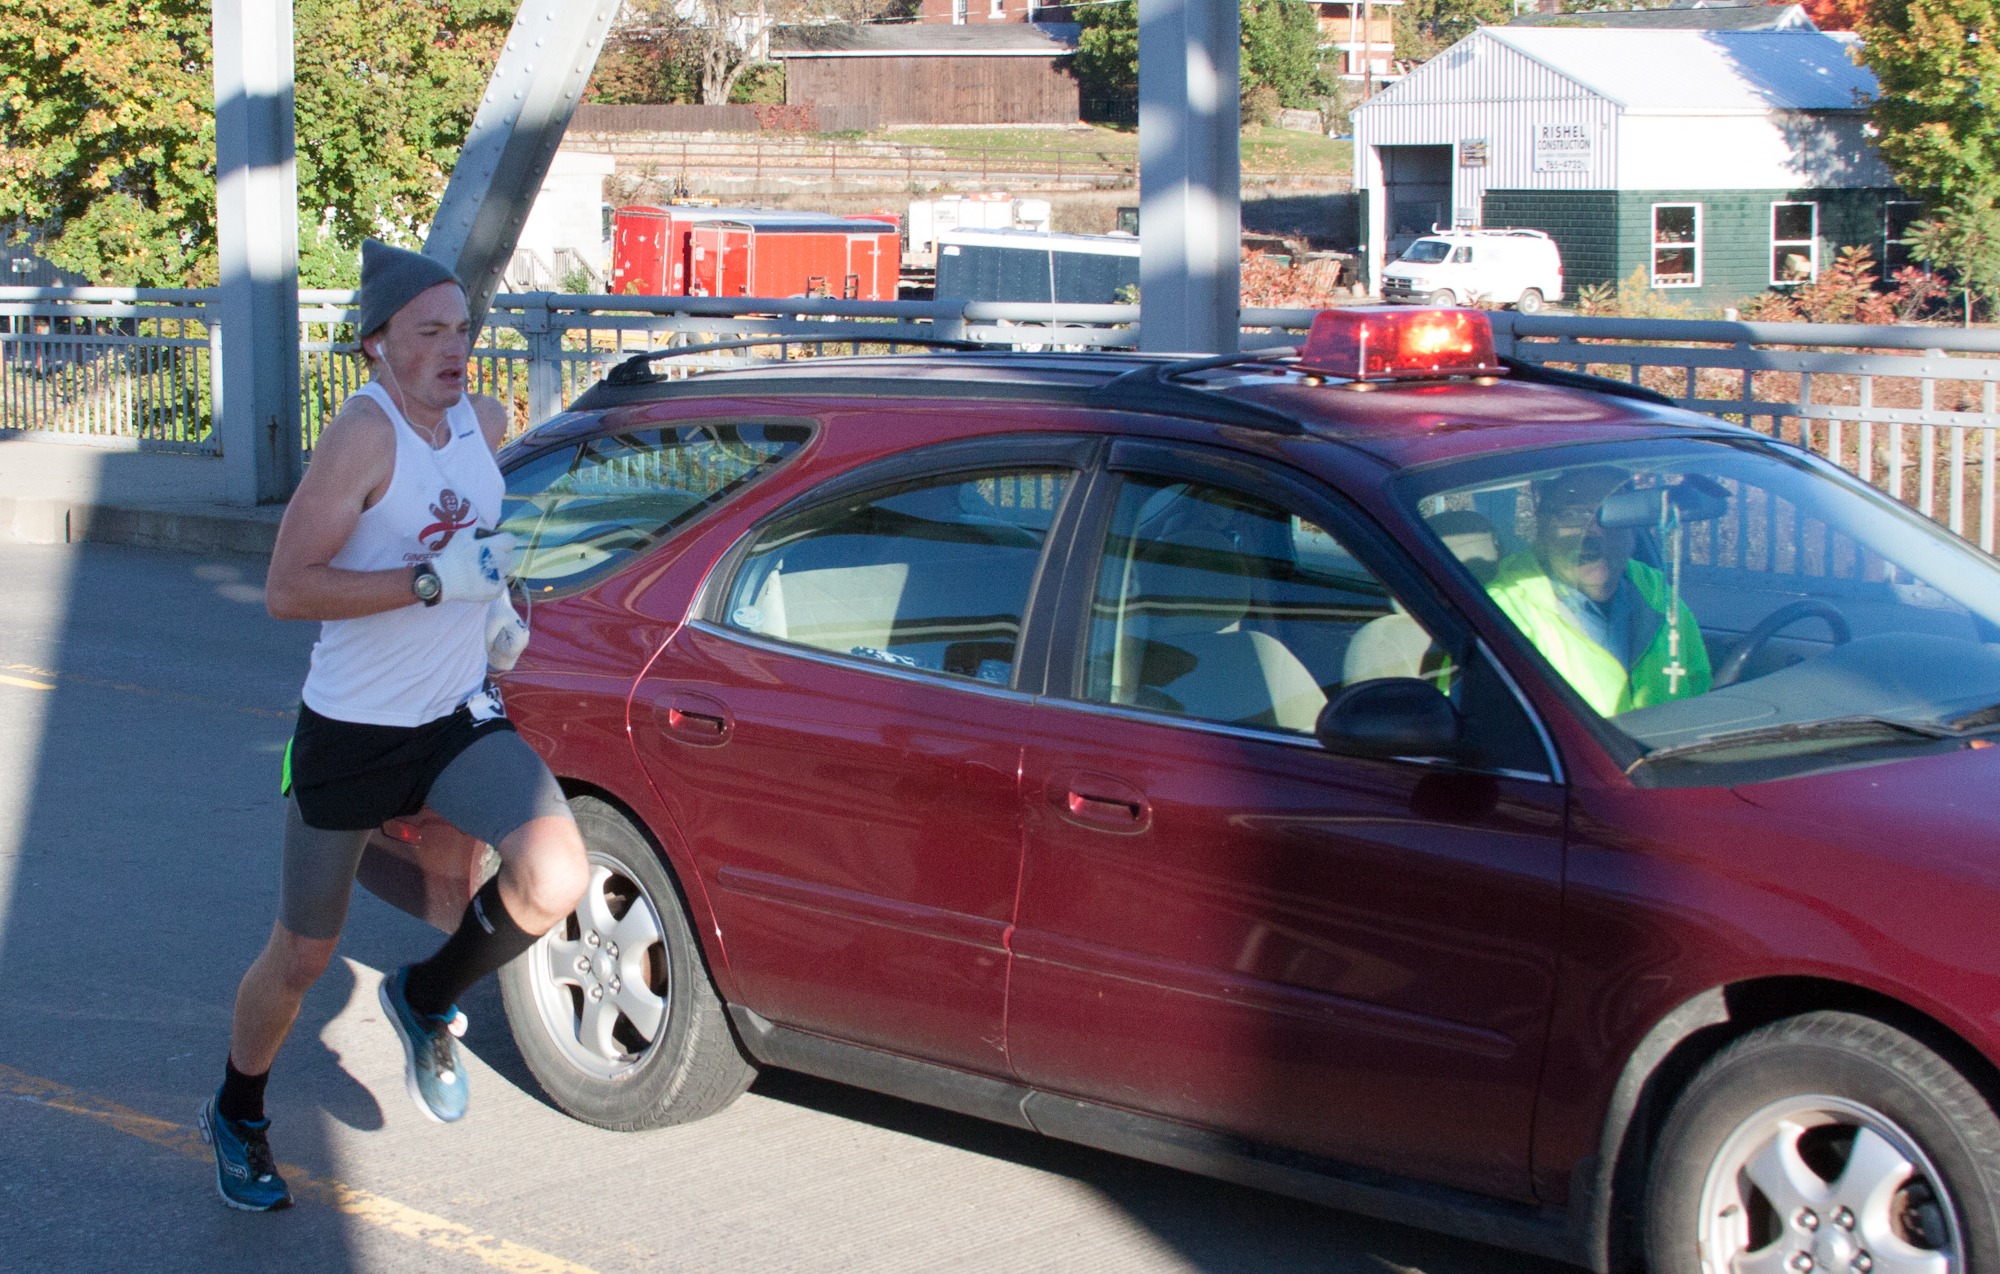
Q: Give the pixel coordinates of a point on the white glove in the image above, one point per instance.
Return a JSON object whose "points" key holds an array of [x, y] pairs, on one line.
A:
{"points": [[473, 568], [506, 634]]}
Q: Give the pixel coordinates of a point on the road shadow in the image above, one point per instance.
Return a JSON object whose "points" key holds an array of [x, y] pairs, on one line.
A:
{"points": [[1214, 1226], [148, 700]]}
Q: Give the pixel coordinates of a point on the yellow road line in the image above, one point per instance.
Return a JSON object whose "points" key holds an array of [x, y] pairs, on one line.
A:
{"points": [[177, 696], [375, 1209], [24, 683]]}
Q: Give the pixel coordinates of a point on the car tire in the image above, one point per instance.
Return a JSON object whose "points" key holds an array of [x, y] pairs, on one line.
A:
{"points": [[1443, 296], [624, 1036], [1753, 1167], [1530, 302]]}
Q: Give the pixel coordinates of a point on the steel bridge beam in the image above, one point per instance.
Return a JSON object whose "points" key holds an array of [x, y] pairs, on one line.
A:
{"points": [[256, 224], [1190, 197], [541, 74]]}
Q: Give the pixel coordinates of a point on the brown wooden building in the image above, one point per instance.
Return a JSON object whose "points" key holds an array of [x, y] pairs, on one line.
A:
{"points": [[1357, 33], [925, 73]]}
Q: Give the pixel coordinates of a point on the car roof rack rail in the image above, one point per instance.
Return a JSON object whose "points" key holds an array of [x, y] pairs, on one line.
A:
{"points": [[1155, 388], [636, 370]]}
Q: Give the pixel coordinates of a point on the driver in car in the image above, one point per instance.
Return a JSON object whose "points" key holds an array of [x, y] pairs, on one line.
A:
{"points": [[1593, 612]]}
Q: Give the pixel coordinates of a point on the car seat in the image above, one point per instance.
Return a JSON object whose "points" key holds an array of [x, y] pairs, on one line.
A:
{"points": [[1182, 646]]}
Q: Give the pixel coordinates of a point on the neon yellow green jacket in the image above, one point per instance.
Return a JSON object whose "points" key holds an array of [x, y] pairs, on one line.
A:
{"points": [[1524, 592]]}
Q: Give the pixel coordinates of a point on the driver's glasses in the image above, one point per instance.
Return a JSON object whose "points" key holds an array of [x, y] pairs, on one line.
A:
{"points": [[1573, 519]]}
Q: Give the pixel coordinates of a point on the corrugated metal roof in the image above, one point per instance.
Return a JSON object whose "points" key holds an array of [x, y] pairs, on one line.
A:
{"points": [[1745, 17], [1720, 72]]}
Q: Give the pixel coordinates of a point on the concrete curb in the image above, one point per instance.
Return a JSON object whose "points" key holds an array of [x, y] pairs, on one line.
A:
{"points": [[56, 521]]}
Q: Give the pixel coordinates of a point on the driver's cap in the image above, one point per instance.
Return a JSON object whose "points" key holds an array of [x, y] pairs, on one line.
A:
{"points": [[1584, 487]]}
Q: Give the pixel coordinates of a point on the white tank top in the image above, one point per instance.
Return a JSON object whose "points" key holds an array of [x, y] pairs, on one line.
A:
{"points": [[417, 663]]}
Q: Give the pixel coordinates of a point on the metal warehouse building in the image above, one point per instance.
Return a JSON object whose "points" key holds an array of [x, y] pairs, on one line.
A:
{"points": [[1719, 163]]}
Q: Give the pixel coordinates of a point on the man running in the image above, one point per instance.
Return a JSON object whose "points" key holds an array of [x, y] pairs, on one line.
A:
{"points": [[386, 544]]}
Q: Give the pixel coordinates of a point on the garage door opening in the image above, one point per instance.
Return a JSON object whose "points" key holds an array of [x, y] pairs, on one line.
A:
{"points": [[1416, 183]]}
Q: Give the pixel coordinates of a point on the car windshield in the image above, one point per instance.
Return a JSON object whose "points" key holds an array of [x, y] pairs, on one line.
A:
{"points": [[1735, 609], [1427, 251]]}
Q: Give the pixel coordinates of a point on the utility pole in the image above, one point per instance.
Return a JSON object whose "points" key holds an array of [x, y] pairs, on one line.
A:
{"points": [[1367, 49], [1190, 181], [256, 225]]}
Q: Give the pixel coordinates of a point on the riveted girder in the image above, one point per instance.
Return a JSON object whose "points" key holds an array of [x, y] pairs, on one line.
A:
{"points": [[548, 58]]}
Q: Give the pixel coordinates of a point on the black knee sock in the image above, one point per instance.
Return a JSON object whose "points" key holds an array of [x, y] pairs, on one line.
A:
{"points": [[242, 1097], [487, 938]]}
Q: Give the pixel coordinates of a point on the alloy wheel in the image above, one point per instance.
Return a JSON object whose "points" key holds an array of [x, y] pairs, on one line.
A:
{"points": [[1822, 1184], [601, 978]]}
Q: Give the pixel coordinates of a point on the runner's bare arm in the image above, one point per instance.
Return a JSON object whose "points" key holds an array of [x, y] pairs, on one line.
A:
{"points": [[494, 419], [350, 470]]}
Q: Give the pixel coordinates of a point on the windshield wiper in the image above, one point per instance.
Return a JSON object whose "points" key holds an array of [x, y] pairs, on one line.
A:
{"points": [[1830, 728], [1976, 719]]}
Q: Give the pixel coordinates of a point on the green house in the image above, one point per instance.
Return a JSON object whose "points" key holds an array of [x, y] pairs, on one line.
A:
{"points": [[1717, 164]]}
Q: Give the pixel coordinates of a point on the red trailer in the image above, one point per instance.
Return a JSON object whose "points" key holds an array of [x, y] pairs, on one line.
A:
{"points": [[689, 251]]}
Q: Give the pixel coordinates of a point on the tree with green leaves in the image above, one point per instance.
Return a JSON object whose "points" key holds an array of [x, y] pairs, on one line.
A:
{"points": [[1106, 62], [1937, 70], [1965, 240], [1280, 50], [107, 128], [107, 133], [1426, 28]]}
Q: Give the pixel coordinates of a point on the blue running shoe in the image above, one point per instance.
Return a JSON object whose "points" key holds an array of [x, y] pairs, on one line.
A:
{"points": [[245, 1174], [430, 1051]]}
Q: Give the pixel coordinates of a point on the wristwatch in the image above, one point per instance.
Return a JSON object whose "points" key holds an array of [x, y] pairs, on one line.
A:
{"points": [[426, 584]]}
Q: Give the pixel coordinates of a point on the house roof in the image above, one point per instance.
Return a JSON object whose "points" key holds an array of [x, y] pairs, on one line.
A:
{"points": [[925, 39], [1745, 17], [1652, 72]]}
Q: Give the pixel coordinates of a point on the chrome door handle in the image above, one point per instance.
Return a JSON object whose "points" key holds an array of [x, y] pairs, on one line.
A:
{"points": [[693, 718], [1100, 802]]}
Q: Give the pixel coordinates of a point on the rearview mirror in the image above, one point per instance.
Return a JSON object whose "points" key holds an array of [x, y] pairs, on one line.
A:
{"points": [[1696, 499], [1389, 717]]}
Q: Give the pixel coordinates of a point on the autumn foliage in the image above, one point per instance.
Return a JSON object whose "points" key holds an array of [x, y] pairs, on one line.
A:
{"points": [[107, 126], [1273, 281], [1837, 15]]}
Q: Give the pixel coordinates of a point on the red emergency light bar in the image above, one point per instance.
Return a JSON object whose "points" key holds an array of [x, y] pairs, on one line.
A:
{"points": [[1386, 342]]}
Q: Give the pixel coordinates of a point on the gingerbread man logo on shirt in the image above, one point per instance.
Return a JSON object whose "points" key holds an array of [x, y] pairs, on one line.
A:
{"points": [[453, 515]]}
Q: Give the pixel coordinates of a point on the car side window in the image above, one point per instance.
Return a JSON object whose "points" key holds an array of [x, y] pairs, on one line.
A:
{"points": [[931, 575], [578, 513], [1220, 605]]}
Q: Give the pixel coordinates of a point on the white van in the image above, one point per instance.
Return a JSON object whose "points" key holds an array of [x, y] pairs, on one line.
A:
{"points": [[1520, 268]]}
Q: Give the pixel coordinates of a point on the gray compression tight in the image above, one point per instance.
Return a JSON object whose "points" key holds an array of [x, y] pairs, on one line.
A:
{"points": [[488, 791]]}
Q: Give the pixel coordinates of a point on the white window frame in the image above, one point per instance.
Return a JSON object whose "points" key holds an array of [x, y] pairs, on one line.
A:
{"points": [[1888, 219], [1811, 245], [1653, 260]]}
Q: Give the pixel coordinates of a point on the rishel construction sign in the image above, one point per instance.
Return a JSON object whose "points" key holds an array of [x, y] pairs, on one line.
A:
{"points": [[1562, 148]]}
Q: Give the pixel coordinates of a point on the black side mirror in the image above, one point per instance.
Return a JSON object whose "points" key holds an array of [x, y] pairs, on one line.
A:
{"points": [[1392, 716]]}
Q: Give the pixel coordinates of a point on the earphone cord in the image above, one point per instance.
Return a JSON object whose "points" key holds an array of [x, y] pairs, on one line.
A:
{"points": [[402, 401]]}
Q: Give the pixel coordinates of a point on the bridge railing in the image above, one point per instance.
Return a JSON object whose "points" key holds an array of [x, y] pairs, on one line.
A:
{"points": [[1910, 409]]}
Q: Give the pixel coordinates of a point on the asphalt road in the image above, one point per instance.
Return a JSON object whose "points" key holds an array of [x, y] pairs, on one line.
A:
{"points": [[144, 700]]}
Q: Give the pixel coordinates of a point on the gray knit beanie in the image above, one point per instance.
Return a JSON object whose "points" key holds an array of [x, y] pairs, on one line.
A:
{"points": [[391, 279]]}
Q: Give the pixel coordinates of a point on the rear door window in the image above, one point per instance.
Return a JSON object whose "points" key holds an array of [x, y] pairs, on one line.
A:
{"points": [[579, 513], [931, 575]]}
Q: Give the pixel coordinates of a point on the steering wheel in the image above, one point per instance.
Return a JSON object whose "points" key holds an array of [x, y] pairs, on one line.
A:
{"points": [[1769, 627]]}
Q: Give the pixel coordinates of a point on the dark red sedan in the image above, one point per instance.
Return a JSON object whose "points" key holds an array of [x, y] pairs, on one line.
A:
{"points": [[1474, 795]]}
